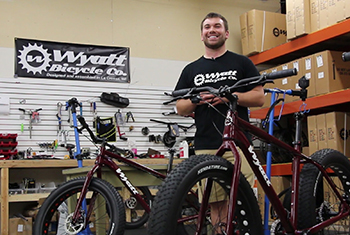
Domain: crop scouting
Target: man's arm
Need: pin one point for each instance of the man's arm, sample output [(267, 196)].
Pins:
[(185, 107), (252, 98)]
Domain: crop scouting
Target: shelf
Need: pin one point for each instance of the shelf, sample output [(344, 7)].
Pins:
[(32, 197), (335, 37), (334, 101)]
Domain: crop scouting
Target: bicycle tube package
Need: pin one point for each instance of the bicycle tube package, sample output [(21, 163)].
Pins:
[(105, 128), (114, 99)]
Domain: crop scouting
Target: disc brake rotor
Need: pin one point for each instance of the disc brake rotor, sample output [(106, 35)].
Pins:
[(131, 203), (71, 228)]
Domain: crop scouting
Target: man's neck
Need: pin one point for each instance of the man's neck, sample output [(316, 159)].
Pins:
[(214, 53)]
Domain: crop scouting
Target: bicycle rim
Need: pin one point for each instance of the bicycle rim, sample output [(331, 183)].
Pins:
[(317, 201), (107, 210), (179, 200)]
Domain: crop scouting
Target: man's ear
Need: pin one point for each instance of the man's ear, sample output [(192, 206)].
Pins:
[(227, 34)]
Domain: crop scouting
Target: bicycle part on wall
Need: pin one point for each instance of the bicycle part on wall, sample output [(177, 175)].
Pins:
[(169, 137), (33, 118), (118, 122)]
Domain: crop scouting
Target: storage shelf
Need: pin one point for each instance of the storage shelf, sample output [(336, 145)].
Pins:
[(32, 197), (335, 37), (334, 101)]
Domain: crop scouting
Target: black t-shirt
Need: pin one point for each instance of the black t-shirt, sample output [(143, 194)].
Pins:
[(224, 70)]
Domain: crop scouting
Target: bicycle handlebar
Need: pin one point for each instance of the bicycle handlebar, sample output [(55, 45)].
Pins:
[(84, 125), (346, 56), (29, 111), (261, 79)]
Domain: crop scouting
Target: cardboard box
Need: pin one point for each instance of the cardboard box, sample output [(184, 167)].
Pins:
[(290, 19), (19, 226), (308, 65), (332, 73), (244, 33), (312, 134), (297, 64), (347, 8), (323, 7), (336, 10), (265, 30), (285, 83), (314, 15), (302, 17), (321, 131), (338, 125)]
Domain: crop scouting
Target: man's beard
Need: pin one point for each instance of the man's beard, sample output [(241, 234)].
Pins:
[(217, 45)]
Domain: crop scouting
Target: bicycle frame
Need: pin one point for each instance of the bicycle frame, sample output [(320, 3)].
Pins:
[(234, 136), (105, 158)]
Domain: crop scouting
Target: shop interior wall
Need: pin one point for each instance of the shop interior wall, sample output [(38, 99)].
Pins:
[(163, 35)]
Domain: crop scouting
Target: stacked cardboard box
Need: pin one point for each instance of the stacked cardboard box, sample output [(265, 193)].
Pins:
[(329, 130), (326, 71), (298, 18), (307, 16), (262, 30)]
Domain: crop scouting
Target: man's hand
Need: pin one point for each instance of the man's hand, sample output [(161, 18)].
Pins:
[(210, 98)]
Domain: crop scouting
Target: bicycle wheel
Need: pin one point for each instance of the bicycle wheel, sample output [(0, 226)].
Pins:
[(317, 201), (136, 216), (107, 217), (177, 203)]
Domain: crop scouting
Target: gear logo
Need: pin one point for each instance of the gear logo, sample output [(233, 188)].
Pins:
[(199, 79), (34, 58)]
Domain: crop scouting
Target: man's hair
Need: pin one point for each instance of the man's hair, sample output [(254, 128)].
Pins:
[(215, 15)]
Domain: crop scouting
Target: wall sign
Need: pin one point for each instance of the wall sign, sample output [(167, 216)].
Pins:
[(44, 59)]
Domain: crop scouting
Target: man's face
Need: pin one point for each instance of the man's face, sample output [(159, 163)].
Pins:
[(213, 33)]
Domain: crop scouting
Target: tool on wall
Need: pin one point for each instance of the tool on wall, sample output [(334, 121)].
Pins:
[(169, 138), (33, 118), (119, 121)]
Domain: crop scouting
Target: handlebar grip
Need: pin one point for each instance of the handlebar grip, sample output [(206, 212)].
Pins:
[(82, 121), (282, 74), (346, 56), (180, 92)]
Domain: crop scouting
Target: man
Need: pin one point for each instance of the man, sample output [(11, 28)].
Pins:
[(217, 67)]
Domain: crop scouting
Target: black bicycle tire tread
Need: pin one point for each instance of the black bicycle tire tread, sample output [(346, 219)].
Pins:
[(55, 194), (307, 183), (172, 182), (163, 196)]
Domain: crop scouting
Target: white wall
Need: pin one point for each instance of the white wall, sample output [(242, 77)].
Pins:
[(163, 36)]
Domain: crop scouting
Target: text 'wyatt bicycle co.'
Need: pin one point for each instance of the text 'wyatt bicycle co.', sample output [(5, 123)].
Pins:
[(43, 59)]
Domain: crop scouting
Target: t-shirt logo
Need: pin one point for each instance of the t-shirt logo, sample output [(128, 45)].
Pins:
[(201, 79)]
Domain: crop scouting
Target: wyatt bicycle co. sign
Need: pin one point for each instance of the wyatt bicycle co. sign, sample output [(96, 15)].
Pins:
[(43, 59)]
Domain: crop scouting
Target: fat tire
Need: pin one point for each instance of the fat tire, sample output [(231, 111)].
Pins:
[(170, 197), (312, 189), (113, 202)]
